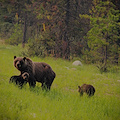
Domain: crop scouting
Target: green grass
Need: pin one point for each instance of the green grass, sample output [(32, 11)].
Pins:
[(63, 101)]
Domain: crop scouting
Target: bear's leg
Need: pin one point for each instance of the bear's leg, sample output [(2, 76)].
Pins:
[(90, 92), (44, 86), (48, 78), (49, 82), (32, 81), (13, 79), (21, 82), (81, 93)]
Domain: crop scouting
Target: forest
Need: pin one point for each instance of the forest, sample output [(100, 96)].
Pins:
[(68, 29)]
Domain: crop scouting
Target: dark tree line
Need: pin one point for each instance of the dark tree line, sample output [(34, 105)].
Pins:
[(55, 25), (64, 28)]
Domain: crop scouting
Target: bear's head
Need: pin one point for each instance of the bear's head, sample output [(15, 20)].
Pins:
[(25, 76), (19, 63)]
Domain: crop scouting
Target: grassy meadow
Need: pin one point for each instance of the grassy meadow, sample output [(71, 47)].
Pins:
[(63, 101)]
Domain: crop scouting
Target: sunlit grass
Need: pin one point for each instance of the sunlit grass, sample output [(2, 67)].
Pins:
[(63, 101)]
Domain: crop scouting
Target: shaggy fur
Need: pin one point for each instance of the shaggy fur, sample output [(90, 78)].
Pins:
[(38, 71), (20, 80), (89, 89), (25, 76)]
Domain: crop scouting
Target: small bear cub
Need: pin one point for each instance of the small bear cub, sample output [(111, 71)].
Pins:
[(20, 79), (86, 88)]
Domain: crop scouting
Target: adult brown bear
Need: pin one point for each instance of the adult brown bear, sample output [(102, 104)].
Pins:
[(38, 71), (89, 89)]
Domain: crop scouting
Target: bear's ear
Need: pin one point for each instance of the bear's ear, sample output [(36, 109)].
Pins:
[(24, 58), (14, 57)]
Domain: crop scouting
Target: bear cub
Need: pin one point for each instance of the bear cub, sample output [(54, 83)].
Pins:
[(86, 88), (20, 79)]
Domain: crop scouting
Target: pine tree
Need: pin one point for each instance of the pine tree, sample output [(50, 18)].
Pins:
[(103, 36)]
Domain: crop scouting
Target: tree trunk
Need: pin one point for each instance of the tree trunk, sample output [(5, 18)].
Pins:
[(66, 44), (105, 60), (25, 30)]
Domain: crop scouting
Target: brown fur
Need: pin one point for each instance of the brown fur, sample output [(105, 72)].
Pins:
[(25, 76), (38, 71), (19, 80), (89, 89)]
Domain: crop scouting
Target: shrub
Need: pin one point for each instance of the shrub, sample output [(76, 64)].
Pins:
[(16, 36), (40, 46)]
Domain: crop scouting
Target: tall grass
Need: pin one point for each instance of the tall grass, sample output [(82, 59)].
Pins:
[(63, 101)]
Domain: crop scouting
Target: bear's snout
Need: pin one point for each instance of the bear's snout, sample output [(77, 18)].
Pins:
[(25, 78), (19, 65)]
